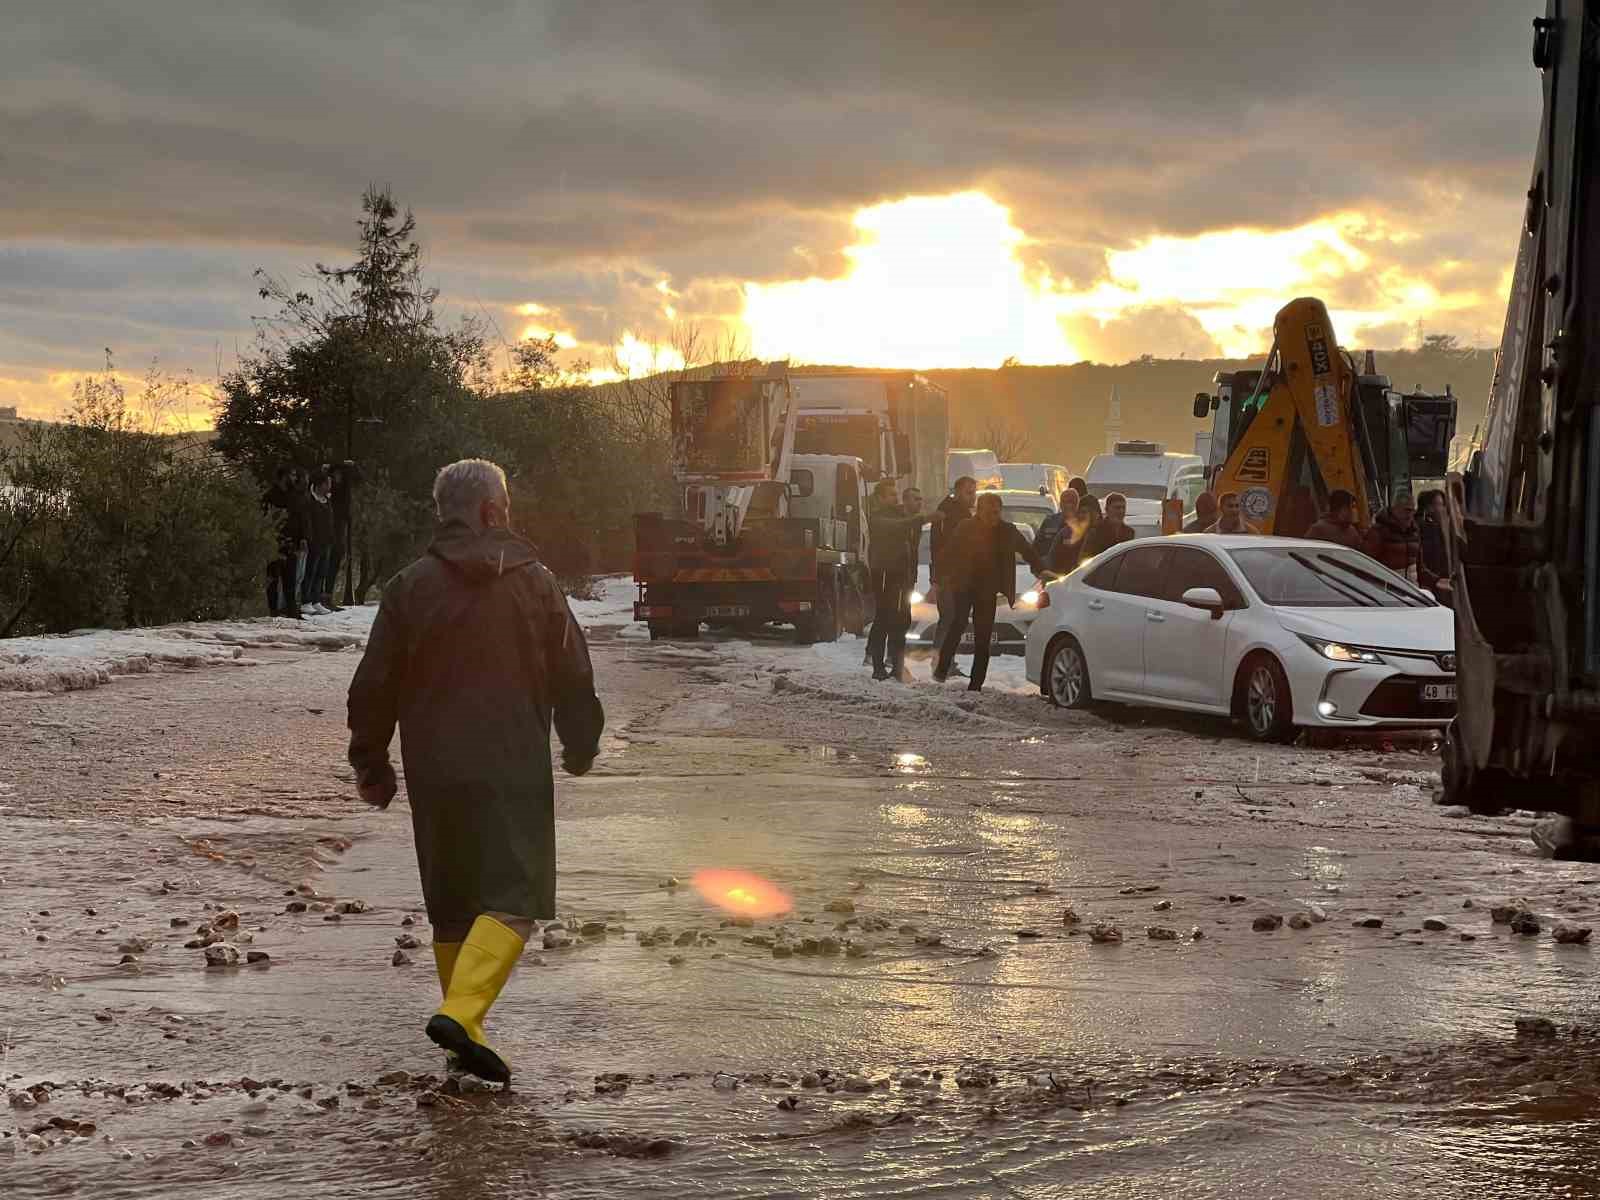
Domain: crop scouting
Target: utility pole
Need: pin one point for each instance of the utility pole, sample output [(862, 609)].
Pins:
[(350, 497)]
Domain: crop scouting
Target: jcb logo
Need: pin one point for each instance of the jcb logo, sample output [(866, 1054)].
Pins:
[(1256, 466)]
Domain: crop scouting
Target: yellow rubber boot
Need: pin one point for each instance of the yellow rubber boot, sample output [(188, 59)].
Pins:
[(482, 966), (444, 958)]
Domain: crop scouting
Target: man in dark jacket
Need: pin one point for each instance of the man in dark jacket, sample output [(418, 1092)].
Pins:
[(952, 511), (1205, 513), (1395, 541), (474, 653), (275, 504), (1430, 528), (1339, 525), (345, 476), (292, 545), (1112, 530), (980, 563), (892, 562), (319, 546)]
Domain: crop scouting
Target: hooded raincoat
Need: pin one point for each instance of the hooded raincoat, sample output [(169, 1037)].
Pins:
[(474, 653)]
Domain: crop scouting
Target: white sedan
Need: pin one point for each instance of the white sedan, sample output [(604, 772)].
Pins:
[(1281, 632)]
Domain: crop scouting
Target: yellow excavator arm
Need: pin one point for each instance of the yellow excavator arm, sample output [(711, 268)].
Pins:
[(1301, 441)]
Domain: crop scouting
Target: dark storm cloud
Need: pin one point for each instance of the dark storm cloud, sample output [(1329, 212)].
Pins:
[(709, 141), (262, 120)]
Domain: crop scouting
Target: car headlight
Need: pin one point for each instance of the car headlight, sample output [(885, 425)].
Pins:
[(1339, 652), (1029, 598), (916, 597)]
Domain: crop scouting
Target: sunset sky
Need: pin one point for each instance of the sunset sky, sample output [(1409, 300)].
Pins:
[(844, 183)]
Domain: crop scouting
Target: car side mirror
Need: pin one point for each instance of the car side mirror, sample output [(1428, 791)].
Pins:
[(1202, 405), (1207, 598)]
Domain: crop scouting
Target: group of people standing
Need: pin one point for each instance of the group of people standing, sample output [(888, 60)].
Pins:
[(973, 555), (312, 511), (1407, 537)]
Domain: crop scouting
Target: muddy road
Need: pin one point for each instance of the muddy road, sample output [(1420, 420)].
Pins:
[(927, 1022)]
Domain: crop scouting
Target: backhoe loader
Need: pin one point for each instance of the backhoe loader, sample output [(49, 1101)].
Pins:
[(1309, 423)]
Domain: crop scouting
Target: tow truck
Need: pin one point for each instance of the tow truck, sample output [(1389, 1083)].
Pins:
[(1309, 423), (765, 535), (1524, 517)]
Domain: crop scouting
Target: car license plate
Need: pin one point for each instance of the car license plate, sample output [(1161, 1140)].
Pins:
[(1438, 691), (728, 610)]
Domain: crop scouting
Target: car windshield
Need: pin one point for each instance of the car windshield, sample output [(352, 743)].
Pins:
[(1133, 491), (1032, 518), (1187, 488), (850, 435), (1325, 578)]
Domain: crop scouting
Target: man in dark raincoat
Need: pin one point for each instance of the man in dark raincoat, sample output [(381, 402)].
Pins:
[(474, 653)]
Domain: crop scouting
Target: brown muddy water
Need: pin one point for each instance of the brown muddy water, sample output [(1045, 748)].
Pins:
[(1001, 1051)]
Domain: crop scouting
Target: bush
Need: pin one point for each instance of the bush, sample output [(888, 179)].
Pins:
[(111, 522)]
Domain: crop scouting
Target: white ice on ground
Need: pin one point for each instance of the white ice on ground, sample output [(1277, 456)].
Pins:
[(93, 657)]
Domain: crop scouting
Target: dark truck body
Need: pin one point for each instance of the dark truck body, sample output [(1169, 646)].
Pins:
[(795, 554), (1525, 516), (771, 575)]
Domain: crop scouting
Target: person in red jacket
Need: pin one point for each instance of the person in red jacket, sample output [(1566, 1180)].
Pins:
[(1396, 542), (1339, 525)]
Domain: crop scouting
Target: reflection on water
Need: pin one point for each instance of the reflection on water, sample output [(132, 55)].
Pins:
[(908, 763)]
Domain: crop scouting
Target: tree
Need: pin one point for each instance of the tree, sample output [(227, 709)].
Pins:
[(1008, 440), (355, 364)]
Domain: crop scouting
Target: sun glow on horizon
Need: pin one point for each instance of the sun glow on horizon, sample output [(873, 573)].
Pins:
[(954, 281), (934, 281), (944, 281)]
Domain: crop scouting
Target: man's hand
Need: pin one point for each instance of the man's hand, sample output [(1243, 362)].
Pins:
[(379, 793), (576, 764)]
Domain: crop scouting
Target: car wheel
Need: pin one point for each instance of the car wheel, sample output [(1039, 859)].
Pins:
[(1066, 674), (1265, 701)]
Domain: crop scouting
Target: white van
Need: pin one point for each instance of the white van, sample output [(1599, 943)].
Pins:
[(1048, 479), (982, 465), (1144, 472)]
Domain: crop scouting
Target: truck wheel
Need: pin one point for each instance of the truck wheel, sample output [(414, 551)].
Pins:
[(823, 623), (686, 630), (657, 632), (828, 611), (853, 616)]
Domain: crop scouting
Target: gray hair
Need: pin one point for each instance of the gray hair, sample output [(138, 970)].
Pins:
[(462, 487)]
